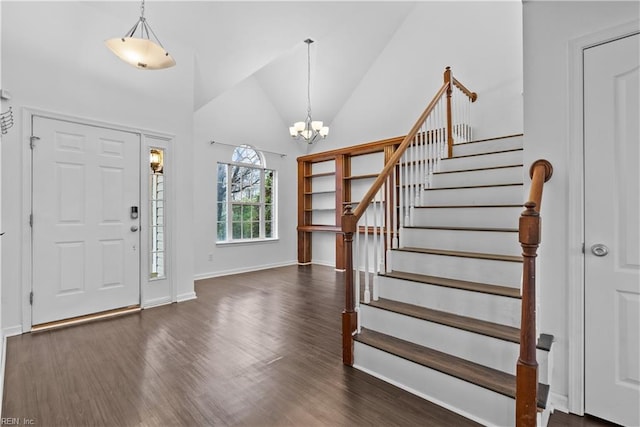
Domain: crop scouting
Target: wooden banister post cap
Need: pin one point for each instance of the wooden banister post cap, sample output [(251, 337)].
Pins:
[(349, 220), (530, 209), (529, 231), (548, 168)]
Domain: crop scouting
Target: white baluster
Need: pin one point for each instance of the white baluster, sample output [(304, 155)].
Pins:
[(401, 189), (432, 146), (427, 158), (412, 181), (456, 116), (389, 223), (381, 242), (379, 250), (395, 243), (374, 206), (443, 126), (356, 266), (469, 129), (423, 163), (367, 291)]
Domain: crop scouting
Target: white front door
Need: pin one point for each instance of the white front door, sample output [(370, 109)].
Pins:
[(86, 244), (612, 231)]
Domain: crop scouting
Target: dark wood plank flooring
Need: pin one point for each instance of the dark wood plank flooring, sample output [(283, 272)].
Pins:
[(257, 349)]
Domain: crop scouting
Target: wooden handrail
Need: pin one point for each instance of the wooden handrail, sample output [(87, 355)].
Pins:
[(391, 164), (472, 95), (349, 219), (529, 236), (540, 172)]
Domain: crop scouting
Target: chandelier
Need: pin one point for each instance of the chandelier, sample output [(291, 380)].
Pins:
[(308, 130), (141, 52)]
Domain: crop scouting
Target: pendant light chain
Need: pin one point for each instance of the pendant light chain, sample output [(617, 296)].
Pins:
[(309, 41), (309, 130)]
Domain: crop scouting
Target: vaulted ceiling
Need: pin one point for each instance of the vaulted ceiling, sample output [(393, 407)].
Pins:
[(233, 41)]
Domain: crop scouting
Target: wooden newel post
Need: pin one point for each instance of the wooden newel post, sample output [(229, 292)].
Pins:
[(349, 316), (527, 367), (529, 236), (449, 82)]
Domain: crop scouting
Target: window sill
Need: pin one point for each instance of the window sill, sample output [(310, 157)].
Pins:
[(247, 242)]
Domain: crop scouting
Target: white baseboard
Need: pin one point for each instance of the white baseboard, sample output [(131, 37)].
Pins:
[(325, 263), (3, 362), (559, 402), (186, 297), (156, 302), (12, 331), (4, 334), (211, 275)]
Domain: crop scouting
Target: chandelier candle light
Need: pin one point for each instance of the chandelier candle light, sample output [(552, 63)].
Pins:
[(309, 130), (141, 52)]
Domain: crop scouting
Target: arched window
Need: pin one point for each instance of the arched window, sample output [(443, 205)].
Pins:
[(246, 154), (246, 198)]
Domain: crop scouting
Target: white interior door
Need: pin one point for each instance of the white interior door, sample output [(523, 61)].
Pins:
[(85, 241), (612, 231)]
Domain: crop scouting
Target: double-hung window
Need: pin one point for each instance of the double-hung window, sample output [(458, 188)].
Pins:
[(246, 198)]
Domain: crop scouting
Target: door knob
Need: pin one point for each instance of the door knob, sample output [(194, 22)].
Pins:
[(134, 228), (599, 249)]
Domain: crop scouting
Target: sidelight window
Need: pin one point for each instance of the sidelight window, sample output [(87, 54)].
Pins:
[(157, 211)]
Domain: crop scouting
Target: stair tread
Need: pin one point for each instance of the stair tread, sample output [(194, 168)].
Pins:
[(483, 154), (483, 376), (479, 169), (455, 283), (474, 186), (496, 229), (515, 135), (483, 327), (478, 255)]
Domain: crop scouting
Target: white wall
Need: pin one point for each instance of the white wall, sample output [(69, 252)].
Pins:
[(549, 27), (53, 60), (242, 115), (481, 41), (484, 50)]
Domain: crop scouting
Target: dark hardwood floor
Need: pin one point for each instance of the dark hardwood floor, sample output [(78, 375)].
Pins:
[(255, 349)]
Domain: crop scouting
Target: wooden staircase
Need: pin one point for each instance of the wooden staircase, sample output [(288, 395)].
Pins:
[(444, 320)]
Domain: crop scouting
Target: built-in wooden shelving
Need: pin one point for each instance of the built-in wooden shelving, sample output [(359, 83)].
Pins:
[(350, 168)]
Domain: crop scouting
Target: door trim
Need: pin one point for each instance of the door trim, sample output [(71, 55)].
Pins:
[(26, 282), (575, 212)]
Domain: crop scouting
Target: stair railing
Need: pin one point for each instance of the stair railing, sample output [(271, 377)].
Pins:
[(529, 236), (390, 202)]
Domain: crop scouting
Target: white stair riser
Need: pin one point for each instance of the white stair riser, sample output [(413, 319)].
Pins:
[(495, 242), (487, 146), (484, 350), (492, 308), (510, 194), (474, 402), (503, 273), (506, 175), (504, 217), (483, 161)]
